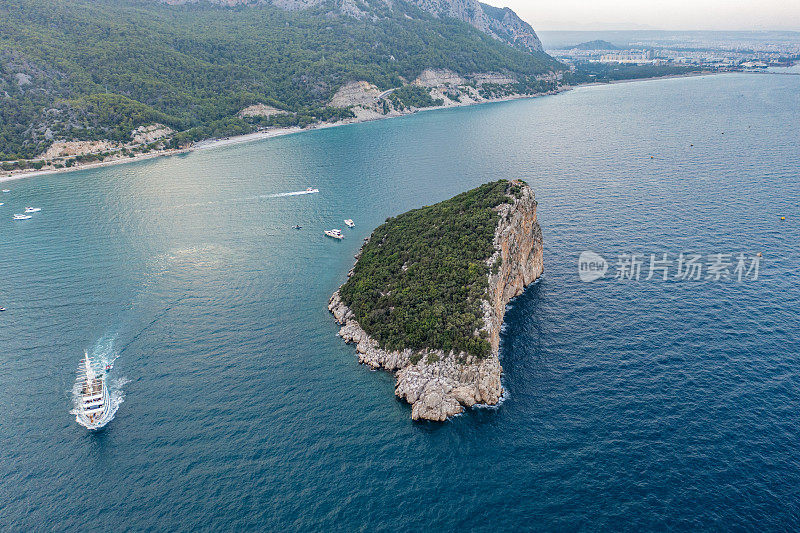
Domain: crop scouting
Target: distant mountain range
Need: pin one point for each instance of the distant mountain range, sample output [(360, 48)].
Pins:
[(108, 70), (596, 45)]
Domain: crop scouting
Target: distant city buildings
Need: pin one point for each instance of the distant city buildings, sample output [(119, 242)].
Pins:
[(638, 57), (717, 54)]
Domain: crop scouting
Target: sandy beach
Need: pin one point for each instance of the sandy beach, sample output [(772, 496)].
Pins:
[(202, 145)]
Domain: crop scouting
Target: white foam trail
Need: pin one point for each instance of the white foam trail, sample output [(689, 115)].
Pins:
[(500, 401), (246, 199), (282, 194)]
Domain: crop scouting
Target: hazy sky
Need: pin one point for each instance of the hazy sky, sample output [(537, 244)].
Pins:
[(657, 14)]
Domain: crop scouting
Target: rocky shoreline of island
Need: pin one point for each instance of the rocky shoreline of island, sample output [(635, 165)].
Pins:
[(440, 385)]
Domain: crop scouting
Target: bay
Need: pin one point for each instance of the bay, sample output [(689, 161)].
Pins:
[(630, 404)]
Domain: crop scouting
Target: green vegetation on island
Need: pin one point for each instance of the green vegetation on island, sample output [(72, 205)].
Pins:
[(96, 69), (420, 279)]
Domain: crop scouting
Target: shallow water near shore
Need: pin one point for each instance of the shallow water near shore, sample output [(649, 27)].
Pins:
[(630, 405)]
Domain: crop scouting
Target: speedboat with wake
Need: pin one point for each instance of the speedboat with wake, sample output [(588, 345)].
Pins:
[(20, 216), (32, 209), (349, 223), (310, 190), (334, 233), (94, 407)]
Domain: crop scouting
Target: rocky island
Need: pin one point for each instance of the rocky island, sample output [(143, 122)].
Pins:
[(427, 295)]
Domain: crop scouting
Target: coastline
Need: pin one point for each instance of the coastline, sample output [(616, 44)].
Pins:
[(202, 145), (667, 77), (279, 132)]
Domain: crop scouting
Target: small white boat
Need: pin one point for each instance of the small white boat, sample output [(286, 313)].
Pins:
[(32, 209), (20, 216), (1, 203), (334, 233), (95, 404), (310, 190), (349, 222), (6, 190)]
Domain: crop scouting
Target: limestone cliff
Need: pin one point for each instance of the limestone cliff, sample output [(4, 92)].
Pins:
[(501, 23), (439, 385)]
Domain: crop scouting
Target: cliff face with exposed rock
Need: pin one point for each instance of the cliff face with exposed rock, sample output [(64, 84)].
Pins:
[(439, 385), (501, 23)]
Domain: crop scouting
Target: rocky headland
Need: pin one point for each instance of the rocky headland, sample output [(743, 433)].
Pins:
[(437, 383)]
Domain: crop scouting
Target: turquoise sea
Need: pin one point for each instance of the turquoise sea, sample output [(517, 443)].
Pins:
[(631, 405)]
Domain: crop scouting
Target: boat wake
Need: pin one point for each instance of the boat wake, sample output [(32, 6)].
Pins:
[(102, 359), (274, 195), (294, 193), (247, 198)]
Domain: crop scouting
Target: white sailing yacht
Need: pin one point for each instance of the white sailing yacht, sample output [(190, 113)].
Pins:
[(94, 402)]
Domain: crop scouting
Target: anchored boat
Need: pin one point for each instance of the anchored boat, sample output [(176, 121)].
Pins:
[(334, 233), (94, 407), (350, 223)]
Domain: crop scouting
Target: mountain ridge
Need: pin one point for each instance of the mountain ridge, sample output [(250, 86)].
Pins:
[(501, 23), (98, 70)]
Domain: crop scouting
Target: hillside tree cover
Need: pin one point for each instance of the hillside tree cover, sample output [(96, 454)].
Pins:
[(88, 69), (420, 279)]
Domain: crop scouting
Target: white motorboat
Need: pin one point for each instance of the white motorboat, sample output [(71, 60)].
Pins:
[(1, 203), (334, 233), (6, 190), (32, 209), (311, 189), (94, 408), (349, 222), (20, 216)]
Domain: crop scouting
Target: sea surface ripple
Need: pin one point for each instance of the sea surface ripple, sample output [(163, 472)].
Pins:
[(632, 405)]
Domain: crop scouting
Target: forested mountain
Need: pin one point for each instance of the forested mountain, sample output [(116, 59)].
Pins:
[(91, 69), (501, 23)]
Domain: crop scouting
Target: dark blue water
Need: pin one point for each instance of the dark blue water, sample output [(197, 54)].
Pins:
[(631, 405)]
